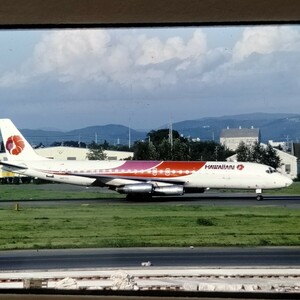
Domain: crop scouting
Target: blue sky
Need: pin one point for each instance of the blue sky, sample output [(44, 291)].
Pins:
[(69, 79)]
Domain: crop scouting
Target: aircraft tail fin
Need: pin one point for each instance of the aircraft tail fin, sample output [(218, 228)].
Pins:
[(16, 146)]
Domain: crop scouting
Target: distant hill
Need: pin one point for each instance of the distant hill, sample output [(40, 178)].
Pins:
[(277, 127), (112, 133)]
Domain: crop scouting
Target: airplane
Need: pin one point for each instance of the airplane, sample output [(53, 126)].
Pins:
[(138, 179)]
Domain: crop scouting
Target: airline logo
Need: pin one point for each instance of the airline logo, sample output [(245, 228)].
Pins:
[(224, 167), (240, 167), (15, 145)]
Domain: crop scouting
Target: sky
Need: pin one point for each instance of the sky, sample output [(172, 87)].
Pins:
[(144, 78)]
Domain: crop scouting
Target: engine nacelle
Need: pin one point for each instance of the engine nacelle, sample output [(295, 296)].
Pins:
[(135, 188), (169, 190)]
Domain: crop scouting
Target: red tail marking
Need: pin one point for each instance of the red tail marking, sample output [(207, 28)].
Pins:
[(15, 145)]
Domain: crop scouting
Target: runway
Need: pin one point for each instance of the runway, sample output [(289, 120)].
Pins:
[(209, 199), (274, 257)]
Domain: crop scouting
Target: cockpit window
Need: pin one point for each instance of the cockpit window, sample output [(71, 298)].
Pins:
[(271, 170)]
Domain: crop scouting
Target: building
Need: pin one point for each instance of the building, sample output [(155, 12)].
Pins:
[(296, 152), (73, 153), (232, 137), (296, 149), (283, 145)]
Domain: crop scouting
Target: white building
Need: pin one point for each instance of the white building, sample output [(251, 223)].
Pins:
[(232, 137), (296, 152), (283, 145), (72, 153)]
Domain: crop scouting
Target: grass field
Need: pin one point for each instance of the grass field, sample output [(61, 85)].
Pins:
[(53, 191), (146, 226), (293, 189), (128, 225)]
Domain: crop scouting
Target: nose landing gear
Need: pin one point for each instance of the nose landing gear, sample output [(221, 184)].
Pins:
[(259, 195)]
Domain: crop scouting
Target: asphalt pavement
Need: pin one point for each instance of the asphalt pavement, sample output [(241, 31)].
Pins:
[(209, 199), (287, 257)]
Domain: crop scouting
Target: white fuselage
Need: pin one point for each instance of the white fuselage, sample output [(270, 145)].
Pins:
[(235, 175)]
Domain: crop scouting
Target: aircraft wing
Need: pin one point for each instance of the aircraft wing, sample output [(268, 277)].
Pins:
[(103, 178)]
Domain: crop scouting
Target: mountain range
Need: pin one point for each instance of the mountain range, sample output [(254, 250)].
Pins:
[(277, 127)]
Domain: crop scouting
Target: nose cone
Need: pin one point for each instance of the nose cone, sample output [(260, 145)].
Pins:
[(288, 181), (282, 181)]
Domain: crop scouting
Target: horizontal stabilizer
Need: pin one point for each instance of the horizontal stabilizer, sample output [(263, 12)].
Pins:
[(11, 165)]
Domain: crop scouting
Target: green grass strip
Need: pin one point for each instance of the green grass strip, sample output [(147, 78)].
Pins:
[(123, 225), (53, 192)]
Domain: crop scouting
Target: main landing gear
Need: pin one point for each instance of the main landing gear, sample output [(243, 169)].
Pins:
[(259, 195)]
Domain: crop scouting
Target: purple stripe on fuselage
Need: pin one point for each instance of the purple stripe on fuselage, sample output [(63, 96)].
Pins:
[(139, 165)]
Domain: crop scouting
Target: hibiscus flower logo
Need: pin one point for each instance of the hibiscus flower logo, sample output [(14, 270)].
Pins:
[(15, 145), (240, 167)]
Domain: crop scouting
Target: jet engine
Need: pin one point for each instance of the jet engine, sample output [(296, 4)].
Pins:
[(148, 188), (169, 190), (135, 188)]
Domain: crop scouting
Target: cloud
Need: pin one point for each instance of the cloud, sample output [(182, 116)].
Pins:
[(83, 56), (12, 78), (61, 49), (155, 51), (140, 70), (266, 40), (260, 54)]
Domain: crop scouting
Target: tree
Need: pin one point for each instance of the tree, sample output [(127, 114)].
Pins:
[(144, 151), (105, 145), (157, 136), (75, 144), (95, 152), (158, 146), (56, 144), (180, 150), (257, 153), (164, 150), (270, 157), (208, 150), (243, 152)]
